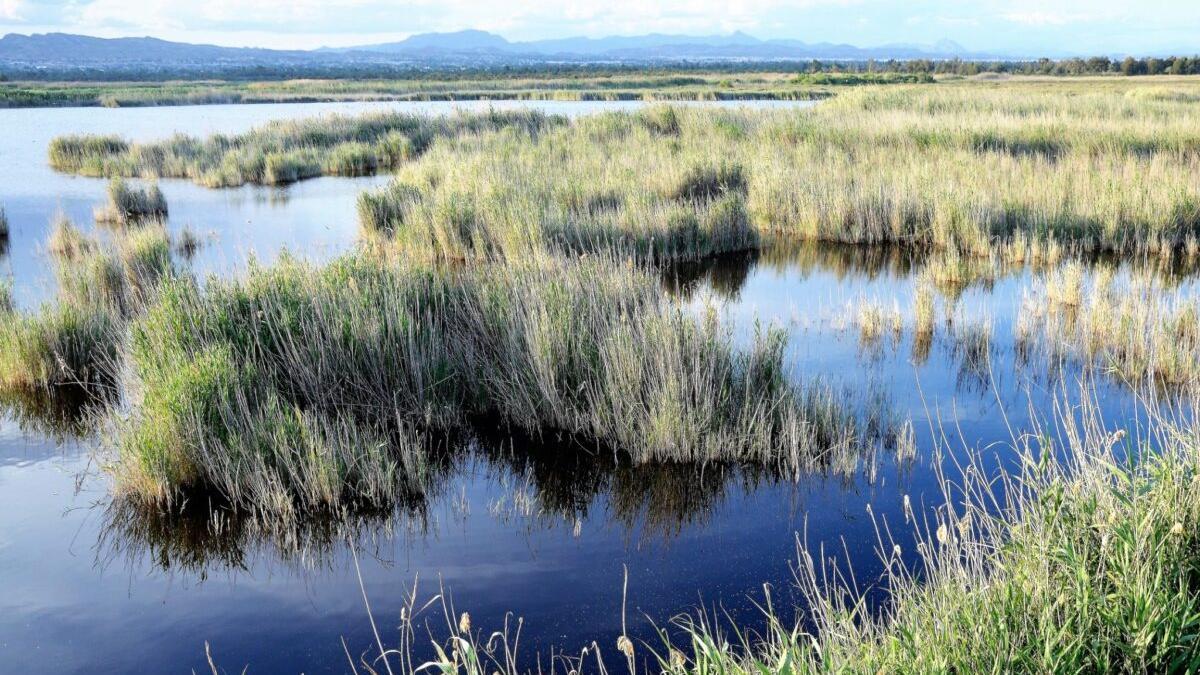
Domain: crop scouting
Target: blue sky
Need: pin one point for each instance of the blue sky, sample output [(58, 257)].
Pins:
[(1014, 26)]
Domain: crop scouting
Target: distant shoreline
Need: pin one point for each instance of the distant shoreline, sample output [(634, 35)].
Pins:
[(633, 86)]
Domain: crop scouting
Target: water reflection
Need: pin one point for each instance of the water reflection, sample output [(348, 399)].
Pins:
[(61, 413), (538, 485)]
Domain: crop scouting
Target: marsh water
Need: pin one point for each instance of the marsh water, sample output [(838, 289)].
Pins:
[(513, 526)]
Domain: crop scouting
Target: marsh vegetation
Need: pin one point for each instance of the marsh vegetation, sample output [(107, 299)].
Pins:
[(617, 86), (1023, 171), (552, 297), (293, 391)]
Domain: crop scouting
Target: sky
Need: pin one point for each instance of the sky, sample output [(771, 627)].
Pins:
[(1021, 27)]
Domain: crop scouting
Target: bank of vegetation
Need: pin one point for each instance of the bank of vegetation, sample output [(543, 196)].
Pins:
[(976, 167), (648, 85)]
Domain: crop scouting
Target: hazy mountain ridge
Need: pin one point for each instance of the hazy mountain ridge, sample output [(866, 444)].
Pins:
[(471, 46), (655, 46)]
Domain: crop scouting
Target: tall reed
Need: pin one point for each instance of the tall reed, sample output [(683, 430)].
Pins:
[(270, 390)]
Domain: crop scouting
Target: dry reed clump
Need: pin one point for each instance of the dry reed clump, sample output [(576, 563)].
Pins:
[(270, 390), (282, 152), (128, 204), (924, 310), (874, 321)]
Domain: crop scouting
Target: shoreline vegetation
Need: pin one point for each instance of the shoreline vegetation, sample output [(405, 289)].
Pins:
[(1079, 560), (683, 86), (1021, 170)]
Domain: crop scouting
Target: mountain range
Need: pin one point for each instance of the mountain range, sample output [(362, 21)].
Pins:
[(654, 46), (468, 47)]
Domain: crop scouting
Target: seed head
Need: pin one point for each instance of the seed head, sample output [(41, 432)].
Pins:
[(625, 646), (464, 623)]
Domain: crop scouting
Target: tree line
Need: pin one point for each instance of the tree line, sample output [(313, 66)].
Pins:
[(1097, 65)]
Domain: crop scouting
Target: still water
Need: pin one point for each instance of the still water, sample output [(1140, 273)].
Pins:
[(509, 527)]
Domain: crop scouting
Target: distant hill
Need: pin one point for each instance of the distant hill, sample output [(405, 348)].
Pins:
[(651, 47), (56, 47), (469, 48)]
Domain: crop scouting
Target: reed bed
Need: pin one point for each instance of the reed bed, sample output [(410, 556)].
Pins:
[(1020, 170), (130, 204), (1132, 326), (76, 339), (1020, 174), (305, 388), (616, 86), (280, 152)]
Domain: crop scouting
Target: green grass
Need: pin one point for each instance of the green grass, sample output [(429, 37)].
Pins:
[(303, 389), (76, 339)]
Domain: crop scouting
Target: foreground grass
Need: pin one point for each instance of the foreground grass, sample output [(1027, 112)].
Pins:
[(305, 388), (1081, 558)]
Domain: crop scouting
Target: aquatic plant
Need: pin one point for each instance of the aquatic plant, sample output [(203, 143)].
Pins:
[(1133, 327), (268, 390), (3, 225), (924, 316), (60, 344), (874, 321), (130, 203), (284, 151), (187, 242), (75, 339), (66, 241)]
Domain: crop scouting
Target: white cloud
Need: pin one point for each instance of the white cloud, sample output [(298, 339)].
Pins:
[(1038, 18), (11, 10), (1002, 26)]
